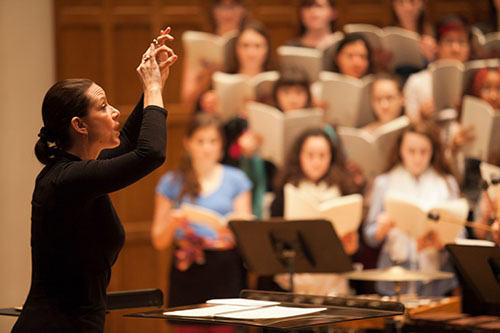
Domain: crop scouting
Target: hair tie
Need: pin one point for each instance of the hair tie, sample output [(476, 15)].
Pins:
[(45, 135), (451, 26)]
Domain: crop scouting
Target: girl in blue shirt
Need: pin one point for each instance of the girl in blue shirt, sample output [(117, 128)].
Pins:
[(206, 264)]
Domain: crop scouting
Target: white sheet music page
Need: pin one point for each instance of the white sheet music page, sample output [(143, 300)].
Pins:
[(210, 311), (272, 312), (241, 302), (242, 308)]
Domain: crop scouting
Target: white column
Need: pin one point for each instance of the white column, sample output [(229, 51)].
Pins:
[(27, 70)]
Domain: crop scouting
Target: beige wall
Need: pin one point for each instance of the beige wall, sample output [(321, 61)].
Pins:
[(26, 72)]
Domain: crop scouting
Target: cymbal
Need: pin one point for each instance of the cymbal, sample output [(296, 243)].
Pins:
[(396, 274)]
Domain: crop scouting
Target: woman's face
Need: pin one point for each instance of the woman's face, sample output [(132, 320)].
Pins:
[(291, 97), (315, 157), (416, 153), (228, 15), (353, 59), (490, 89), (204, 146), (101, 121), (318, 16), (408, 9), (251, 49), (387, 100)]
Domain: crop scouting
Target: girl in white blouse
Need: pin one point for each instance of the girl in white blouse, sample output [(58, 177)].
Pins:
[(418, 172), (317, 168)]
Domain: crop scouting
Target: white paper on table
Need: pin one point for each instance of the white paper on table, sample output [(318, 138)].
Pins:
[(210, 311), (241, 302), (270, 312)]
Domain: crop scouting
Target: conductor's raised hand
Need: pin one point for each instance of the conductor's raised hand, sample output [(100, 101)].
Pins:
[(149, 72), (165, 56)]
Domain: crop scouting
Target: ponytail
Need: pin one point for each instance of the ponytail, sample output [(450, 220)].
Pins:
[(64, 100)]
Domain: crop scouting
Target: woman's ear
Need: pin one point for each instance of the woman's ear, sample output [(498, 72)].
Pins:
[(79, 125)]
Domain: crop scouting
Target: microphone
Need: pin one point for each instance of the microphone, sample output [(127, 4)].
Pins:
[(436, 218)]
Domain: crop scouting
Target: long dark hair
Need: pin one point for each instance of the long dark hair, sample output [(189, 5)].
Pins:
[(186, 174), (337, 174), (215, 3), (421, 20), (310, 3), (493, 17), (233, 62), (349, 39), (64, 100), (431, 131), (292, 77)]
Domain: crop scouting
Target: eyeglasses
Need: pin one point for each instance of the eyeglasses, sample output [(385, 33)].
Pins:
[(451, 42), (490, 89)]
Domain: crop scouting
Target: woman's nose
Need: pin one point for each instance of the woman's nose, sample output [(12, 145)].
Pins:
[(116, 113)]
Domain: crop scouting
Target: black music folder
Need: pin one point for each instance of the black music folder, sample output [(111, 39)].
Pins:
[(478, 269), (264, 246)]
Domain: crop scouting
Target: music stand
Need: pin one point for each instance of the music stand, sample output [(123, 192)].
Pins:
[(478, 270), (276, 246)]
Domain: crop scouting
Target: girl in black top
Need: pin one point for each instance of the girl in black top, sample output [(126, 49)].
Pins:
[(75, 233)]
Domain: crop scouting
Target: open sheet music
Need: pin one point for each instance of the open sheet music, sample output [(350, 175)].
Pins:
[(235, 90), (412, 219), (450, 78), (279, 130), (486, 45), (403, 45), (309, 60), (486, 123), (205, 48), (239, 308), (345, 212), (371, 151), (347, 99), (201, 215)]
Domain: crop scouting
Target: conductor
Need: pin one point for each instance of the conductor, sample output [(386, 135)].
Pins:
[(75, 233)]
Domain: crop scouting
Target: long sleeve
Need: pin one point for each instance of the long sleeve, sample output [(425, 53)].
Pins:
[(76, 235), (96, 177), (380, 186)]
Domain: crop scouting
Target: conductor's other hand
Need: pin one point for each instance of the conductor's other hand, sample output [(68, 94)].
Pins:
[(165, 56), (156, 61)]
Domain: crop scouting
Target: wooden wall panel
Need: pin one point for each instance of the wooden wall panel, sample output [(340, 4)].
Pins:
[(368, 11), (81, 53), (474, 11), (126, 52), (104, 40)]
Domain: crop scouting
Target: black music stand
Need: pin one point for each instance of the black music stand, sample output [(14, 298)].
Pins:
[(280, 246), (478, 269), (275, 246)]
